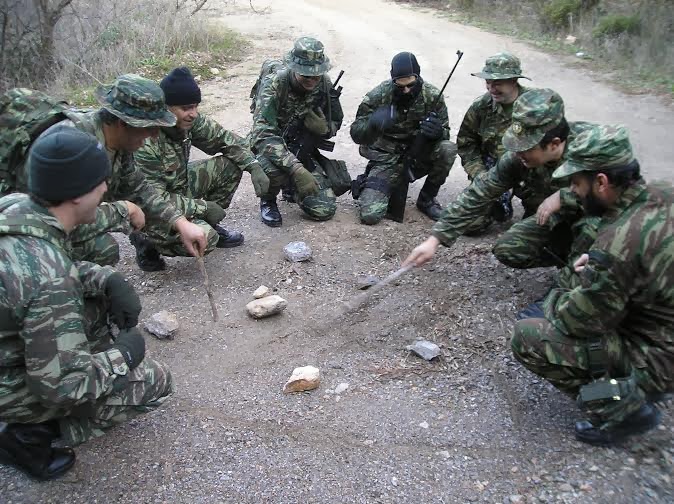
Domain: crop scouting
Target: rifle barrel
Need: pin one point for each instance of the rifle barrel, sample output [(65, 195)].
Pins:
[(437, 98)]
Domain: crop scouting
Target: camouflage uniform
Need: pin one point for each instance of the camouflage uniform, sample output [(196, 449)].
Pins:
[(479, 138), (566, 234), (48, 368), (139, 103), (386, 170), (188, 185), (623, 299), (279, 108)]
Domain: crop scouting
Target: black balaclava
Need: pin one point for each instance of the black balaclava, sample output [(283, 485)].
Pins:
[(405, 64)]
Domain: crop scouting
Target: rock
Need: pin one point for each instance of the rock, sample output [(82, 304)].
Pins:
[(565, 487), (266, 306), (594, 468), (444, 454), (214, 71), (163, 325), (297, 251), (570, 40), (303, 378), (367, 281), (341, 388), (261, 291), (424, 349), (586, 487), (423, 425), (516, 499), (394, 481)]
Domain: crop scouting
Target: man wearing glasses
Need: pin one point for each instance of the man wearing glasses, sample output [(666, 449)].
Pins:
[(388, 125), (295, 112)]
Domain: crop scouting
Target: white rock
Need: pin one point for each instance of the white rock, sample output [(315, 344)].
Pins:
[(423, 425), (425, 349), (214, 71), (341, 388), (303, 378), (261, 292), (297, 251), (570, 40), (163, 325), (266, 306)]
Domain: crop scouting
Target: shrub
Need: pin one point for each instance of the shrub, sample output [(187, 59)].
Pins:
[(616, 24), (556, 14)]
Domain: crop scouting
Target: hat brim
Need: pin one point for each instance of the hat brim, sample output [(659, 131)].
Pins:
[(165, 119), (567, 169), (521, 142), (309, 70), (497, 76)]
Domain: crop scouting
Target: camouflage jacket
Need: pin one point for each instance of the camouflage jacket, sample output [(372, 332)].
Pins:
[(274, 115), (480, 133), (533, 184), (164, 160), (628, 283), (407, 120), (43, 345)]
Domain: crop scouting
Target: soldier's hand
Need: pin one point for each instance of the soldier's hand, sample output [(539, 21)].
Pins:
[(192, 237), (431, 127), (131, 344), (316, 122), (580, 263), (214, 213), (304, 181), (259, 179), (422, 253), (124, 302), (552, 204), (136, 216), (382, 119)]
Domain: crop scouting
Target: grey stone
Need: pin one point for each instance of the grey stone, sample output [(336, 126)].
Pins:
[(341, 388), (266, 306), (261, 291), (425, 349), (367, 281), (297, 251), (162, 325)]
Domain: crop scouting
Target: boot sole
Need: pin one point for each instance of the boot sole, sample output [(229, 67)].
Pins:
[(272, 224)]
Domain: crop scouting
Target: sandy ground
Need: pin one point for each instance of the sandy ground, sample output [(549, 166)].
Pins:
[(471, 427)]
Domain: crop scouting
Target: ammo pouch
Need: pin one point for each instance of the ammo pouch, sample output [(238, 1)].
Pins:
[(339, 177), (601, 391)]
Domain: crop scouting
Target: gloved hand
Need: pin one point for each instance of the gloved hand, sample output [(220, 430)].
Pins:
[(304, 181), (316, 122), (431, 127), (382, 119), (124, 302), (132, 345), (214, 213), (259, 179)]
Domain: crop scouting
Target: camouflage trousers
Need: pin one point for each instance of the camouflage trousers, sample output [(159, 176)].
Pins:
[(565, 362), (94, 243), (214, 179), (386, 172), (139, 391), (321, 207)]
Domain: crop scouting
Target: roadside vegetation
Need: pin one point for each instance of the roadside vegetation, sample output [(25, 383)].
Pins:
[(65, 47)]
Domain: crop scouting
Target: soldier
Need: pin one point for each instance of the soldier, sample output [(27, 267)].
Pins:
[(388, 121), (537, 140), (479, 138), (608, 338), (200, 190), (296, 108), (132, 110), (61, 375)]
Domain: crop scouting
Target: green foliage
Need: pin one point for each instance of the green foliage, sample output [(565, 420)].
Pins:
[(616, 24), (109, 37), (557, 12)]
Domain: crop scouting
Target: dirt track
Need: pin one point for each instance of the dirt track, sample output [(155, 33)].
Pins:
[(491, 429)]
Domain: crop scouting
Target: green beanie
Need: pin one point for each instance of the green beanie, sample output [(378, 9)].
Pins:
[(66, 163)]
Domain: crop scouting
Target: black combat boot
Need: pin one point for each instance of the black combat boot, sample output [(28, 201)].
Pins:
[(427, 203), (28, 447), (270, 214), (228, 239), (642, 420), (147, 257)]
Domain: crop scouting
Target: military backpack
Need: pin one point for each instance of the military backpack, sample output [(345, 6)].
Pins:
[(269, 67)]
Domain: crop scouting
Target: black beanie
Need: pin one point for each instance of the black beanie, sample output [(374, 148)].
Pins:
[(404, 64), (180, 88), (66, 163)]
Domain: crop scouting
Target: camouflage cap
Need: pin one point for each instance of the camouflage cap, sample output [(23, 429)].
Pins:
[(307, 57), (137, 101), (501, 66), (535, 113), (603, 147)]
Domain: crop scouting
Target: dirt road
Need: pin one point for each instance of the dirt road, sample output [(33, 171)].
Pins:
[(473, 427)]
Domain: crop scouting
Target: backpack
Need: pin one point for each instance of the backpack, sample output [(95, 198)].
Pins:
[(269, 67), (24, 115)]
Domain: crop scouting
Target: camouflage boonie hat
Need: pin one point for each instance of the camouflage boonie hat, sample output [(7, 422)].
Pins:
[(137, 101), (603, 147), (307, 57), (501, 66), (534, 114)]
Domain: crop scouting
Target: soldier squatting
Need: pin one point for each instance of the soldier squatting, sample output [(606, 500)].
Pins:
[(603, 334)]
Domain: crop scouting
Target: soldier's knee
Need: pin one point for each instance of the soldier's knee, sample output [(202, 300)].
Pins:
[(320, 209), (503, 251), (370, 217), (447, 152)]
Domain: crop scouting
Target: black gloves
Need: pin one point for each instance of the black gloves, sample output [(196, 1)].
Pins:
[(431, 127), (131, 344), (124, 302), (382, 119), (214, 213)]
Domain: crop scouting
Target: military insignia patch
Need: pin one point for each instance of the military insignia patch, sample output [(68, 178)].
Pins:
[(517, 128)]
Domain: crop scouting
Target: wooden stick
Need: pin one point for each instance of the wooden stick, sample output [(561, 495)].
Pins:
[(207, 286)]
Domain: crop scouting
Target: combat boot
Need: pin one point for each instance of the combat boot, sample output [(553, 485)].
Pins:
[(429, 205), (644, 419), (28, 448), (228, 239), (147, 256), (270, 214)]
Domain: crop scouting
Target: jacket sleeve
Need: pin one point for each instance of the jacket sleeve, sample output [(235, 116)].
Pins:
[(469, 143), (210, 137), (93, 277), (441, 111), (110, 218), (360, 131)]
